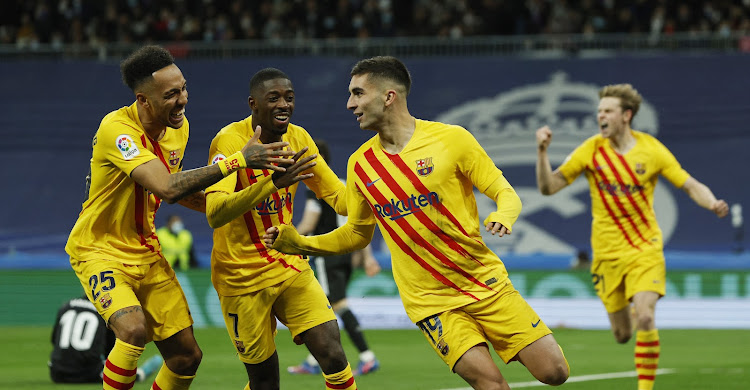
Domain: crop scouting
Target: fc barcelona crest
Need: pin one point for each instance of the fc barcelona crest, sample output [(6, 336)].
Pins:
[(174, 157), (640, 168), (424, 166), (240, 346)]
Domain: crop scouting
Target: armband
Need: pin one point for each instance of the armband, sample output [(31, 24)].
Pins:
[(232, 163)]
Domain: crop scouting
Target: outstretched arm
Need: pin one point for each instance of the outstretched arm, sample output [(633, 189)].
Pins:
[(195, 201), (547, 181), (172, 187), (702, 195), (345, 239)]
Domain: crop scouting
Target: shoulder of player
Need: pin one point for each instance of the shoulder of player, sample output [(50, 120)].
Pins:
[(439, 127)]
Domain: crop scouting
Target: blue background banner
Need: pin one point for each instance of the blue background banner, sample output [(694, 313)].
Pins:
[(695, 105)]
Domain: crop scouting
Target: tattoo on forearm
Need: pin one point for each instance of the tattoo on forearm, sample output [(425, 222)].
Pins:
[(188, 182)]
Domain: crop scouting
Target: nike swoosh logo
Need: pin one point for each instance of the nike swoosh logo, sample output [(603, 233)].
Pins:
[(329, 306), (369, 183), (533, 325), (258, 175)]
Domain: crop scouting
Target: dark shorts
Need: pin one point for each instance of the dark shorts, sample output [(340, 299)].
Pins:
[(334, 275), (68, 377)]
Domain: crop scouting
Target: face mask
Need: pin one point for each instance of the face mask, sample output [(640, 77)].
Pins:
[(177, 227)]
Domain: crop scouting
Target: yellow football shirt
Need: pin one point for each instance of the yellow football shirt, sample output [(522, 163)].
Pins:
[(423, 201), (240, 262), (622, 192), (117, 219)]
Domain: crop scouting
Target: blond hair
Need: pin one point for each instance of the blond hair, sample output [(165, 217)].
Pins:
[(629, 97)]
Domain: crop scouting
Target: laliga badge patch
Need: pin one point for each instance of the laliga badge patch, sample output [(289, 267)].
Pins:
[(218, 158), (127, 147)]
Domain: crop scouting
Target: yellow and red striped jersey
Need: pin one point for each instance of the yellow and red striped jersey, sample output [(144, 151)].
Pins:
[(622, 192), (117, 219), (423, 201), (240, 261)]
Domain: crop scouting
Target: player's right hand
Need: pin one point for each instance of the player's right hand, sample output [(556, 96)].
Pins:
[(266, 156), (543, 137), (270, 236)]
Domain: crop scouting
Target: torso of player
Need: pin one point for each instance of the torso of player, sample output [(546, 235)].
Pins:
[(622, 192), (425, 207), (240, 262), (117, 218)]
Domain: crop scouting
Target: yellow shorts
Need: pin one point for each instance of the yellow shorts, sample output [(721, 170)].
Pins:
[(298, 302), (616, 281), (112, 286), (504, 319)]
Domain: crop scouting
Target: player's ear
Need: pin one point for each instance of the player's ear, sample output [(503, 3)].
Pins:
[(251, 103), (142, 99), (390, 97)]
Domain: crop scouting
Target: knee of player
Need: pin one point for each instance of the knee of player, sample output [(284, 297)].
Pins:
[(645, 321), (622, 336), (132, 332), (556, 375)]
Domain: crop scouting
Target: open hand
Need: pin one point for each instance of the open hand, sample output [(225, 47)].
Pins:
[(266, 156), (293, 171), (497, 227)]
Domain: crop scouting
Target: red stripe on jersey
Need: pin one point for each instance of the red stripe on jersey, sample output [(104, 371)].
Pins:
[(340, 386), (622, 183), (252, 229), (611, 213), (398, 191), (119, 370), (411, 233), (414, 179), (117, 385), (632, 176), (616, 199), (155, 386), (140, 209), (647, 343), (647, 355)]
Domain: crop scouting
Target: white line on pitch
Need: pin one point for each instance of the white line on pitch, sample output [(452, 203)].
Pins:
[(583, 378)]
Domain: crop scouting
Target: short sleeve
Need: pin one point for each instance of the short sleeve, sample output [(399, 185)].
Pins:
[(576, 161), (670, 167), (121, 145)]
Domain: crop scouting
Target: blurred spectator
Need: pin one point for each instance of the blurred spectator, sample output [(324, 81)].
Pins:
[(27, 23), (177, 244)]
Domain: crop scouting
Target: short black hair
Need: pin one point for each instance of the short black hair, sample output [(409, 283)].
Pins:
[(264, 75), (323, 149), (384, 67), (142, 63)]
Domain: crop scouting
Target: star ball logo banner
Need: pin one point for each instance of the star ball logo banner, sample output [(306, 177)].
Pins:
[(505, 126)]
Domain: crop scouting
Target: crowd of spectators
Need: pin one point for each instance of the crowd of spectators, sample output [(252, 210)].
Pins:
[(29, 22)]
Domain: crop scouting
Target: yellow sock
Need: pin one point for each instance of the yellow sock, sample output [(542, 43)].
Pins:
[(168, 380), (647, 351), (343, 380), (122, 362)]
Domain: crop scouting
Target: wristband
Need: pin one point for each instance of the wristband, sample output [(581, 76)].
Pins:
[(232, 163)]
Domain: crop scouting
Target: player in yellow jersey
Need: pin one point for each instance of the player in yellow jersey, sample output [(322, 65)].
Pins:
[(622, 166), (257, 286), (415, 179), (136, 163)]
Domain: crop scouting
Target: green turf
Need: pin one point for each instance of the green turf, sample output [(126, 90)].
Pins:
[(713, 359)]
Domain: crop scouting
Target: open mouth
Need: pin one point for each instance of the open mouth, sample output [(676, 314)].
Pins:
[(177, 116), (282, 119)]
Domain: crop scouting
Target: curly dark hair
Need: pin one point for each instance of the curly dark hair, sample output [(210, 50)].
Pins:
[(142, 63), (265, 75), (384, 68)]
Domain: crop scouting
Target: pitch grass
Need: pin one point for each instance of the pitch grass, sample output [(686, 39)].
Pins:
[(703, 360)]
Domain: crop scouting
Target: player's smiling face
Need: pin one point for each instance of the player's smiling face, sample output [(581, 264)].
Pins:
[(273, 105), (365, 101), (168, 96), (611, 117)]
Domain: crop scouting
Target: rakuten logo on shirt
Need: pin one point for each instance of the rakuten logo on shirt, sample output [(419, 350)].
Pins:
[(399, 208)]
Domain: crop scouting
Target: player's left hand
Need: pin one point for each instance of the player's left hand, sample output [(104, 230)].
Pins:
[(372, 267), (270, 236), (720, 208), (497, 227)]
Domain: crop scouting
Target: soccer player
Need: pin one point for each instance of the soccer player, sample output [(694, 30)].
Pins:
[(136, 163), (333, 274), (81, 343), (257, 286), (622, 166), (415, 179)]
